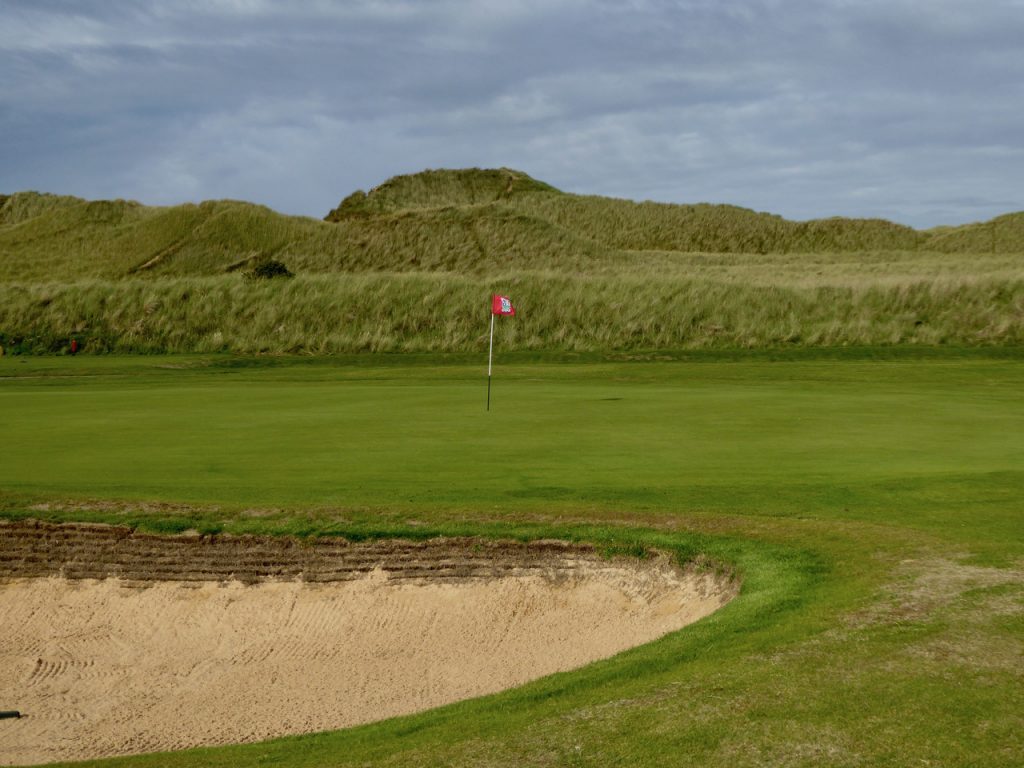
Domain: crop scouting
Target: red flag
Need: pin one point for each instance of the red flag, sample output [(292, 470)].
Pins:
[(501, 305)]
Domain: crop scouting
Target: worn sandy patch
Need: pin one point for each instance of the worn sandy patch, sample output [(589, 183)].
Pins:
[(108, 667)]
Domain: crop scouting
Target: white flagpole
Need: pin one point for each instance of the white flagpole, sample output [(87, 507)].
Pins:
[(490, 358)]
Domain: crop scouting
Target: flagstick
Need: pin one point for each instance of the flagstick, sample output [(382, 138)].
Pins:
[(490, 357)]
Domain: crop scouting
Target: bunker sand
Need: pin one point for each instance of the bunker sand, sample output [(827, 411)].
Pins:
[(155, 643)]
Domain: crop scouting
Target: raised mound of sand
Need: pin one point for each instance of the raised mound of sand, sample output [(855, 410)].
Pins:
[(129, 663)]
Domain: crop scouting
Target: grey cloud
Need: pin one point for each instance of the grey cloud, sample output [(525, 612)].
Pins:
[(806, 108)]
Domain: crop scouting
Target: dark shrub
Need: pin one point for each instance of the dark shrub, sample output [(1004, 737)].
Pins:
[(270, 268)]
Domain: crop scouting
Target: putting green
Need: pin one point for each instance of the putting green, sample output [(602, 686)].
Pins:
[(904, 442)]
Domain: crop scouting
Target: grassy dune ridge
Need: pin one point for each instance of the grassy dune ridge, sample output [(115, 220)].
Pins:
[(408, 265)]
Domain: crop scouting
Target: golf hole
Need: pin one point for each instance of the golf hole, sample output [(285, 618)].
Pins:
[(119, 643)]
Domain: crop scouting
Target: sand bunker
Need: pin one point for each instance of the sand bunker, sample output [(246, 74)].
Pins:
[(132, 663)]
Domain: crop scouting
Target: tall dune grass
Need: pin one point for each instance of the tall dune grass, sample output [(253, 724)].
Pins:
[(102, 240), (438, 188), (626, 225), (469, 221), (324, 314)]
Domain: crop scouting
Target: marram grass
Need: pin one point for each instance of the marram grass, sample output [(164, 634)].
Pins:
[(329, 314), (468, 221)]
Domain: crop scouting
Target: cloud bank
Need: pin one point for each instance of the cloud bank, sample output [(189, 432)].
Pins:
[(907, 110)]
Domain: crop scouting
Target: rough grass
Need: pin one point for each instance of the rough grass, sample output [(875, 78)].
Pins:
[(471, 220), (627, 225), (326, 314), (111, 240), (1003, 234), (437, 188)]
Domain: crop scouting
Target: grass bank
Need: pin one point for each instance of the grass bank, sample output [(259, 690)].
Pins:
[(336, 314)]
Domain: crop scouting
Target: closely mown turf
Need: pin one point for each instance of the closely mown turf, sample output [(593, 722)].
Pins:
[(870, 499)]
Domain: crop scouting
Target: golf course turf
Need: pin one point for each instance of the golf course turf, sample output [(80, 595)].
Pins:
[(868, 499)]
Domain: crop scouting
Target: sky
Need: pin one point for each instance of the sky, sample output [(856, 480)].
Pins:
[(909, 110)]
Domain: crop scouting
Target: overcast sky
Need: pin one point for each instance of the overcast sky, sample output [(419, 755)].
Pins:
[(912, 110)]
